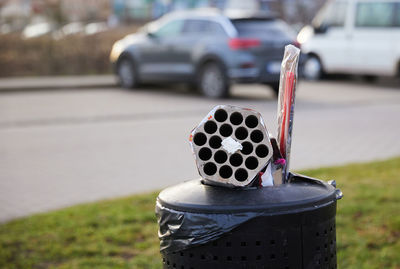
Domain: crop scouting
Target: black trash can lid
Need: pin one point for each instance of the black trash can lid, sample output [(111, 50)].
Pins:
[(301, 193)]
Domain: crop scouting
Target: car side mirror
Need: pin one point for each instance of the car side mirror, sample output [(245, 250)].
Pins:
[(151, 35), (321, 29)]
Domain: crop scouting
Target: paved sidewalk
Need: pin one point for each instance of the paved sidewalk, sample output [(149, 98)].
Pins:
[(56, 82), (64, 147)]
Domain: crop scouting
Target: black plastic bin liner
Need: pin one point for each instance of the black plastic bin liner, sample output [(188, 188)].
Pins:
[(193, 213), (181, 230)]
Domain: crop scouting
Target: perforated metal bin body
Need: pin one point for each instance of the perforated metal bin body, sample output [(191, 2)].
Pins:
[(295, 227)]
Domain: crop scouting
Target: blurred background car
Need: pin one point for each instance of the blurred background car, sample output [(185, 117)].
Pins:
[(359, 37), (37, 29), (206, 49)]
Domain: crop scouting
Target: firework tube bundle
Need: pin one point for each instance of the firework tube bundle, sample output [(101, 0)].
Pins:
[(231, 146)]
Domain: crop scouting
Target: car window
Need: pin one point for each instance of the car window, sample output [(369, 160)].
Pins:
[(397, 17), (215, 28), (170, 29), (375, 14), (258, 27), (335, 15), (203, 27), (195, 26)]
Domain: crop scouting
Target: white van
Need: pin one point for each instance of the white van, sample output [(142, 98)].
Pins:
[(353, 37)]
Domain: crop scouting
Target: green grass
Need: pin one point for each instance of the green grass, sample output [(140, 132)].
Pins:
[(122, 233)]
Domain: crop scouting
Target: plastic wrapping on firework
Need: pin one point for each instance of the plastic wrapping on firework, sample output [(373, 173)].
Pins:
[(286, 101)]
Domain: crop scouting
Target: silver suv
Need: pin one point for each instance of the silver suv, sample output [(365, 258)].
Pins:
[(203, 48)]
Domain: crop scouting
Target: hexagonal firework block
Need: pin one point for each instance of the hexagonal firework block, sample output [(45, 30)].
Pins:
[(231, 145)]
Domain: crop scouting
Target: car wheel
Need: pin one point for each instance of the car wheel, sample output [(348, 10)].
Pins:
[(370, 78), (212, 81), (398, 70), (312, 69), (127, 74)]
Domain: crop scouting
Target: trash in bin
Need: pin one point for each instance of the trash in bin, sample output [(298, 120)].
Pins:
[(248, 210)]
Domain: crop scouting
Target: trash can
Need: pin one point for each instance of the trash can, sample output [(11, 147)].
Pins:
[(287, 226)]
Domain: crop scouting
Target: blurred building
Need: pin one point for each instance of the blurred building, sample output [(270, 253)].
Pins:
[(17, 13), (86, 10), (151, 9), (127, 10), (69, 10), (293, 11), (14, 14)]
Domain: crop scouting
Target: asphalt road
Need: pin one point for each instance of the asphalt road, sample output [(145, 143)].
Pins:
[(68, 146)]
